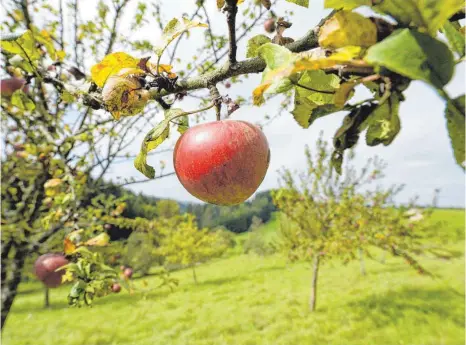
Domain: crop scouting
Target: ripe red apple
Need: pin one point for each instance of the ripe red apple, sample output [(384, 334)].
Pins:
[(128, 272), (269, 25), (45, 266), (222, 162), (116, 288), (9, 86)]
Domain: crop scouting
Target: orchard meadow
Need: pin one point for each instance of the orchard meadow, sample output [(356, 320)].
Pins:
[(232, 172)]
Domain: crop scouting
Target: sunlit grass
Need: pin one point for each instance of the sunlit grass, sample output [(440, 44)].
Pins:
[(252, 300)]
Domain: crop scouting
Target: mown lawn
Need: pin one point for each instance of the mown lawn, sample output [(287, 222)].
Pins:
[(245, 299)]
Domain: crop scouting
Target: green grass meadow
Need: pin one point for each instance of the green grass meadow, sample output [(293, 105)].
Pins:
[(251, 300)]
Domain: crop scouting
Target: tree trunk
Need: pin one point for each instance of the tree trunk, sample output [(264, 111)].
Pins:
[(315, 273), (361, 261), (382, 258), (10, 286), (46, 297), (194, 273)]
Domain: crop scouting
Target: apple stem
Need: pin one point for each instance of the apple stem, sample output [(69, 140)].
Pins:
[(194, 111)]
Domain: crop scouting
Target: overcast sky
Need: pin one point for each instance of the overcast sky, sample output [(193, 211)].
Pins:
[(420, 156)]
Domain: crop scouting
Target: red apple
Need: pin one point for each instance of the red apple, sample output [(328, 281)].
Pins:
[(9, 86), (45, 266), (128, 272), (222, 162), (269, 25), (116, 288), (227, 84)]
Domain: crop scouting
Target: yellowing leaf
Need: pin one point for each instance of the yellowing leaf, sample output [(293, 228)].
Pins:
[(220, 4), (123, 94), (68, 246), (98, 241), (111, 65), (302, 3), (55, 182), (67, 277), (347, 28), (172, 30)]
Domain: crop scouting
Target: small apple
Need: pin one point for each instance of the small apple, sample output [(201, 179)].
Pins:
[(222, 162), (116, 288), (122, 268), (9, 86), (128, 272), (45, 266), (269, 25), (227, 84)]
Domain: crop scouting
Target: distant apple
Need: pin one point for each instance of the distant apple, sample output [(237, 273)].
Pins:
[(122, 268), (45, 266), (116, 288), (222, 162), (227, 84), (9, 86), (128, 272), (269, 25)]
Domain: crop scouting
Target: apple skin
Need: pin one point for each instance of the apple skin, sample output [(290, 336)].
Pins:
[(128, 272), (45, 266), (116, 288), (269, 25), (9, 86), (222, 162)]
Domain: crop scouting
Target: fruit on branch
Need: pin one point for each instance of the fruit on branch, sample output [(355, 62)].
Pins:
[(222, 162), (269, 25), (9, 86), (116, 288), (128, 272), (227, 84), (123, 93), (45, 267)]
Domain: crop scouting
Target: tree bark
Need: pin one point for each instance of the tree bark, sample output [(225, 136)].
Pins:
[(10, 287), (46, 297), (361, 261), (194, 273), (315, 273)]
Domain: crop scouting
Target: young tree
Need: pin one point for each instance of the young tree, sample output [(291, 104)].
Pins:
[(184, 243), (326, 215)]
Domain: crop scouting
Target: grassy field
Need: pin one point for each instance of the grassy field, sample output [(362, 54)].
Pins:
[(245, 299)]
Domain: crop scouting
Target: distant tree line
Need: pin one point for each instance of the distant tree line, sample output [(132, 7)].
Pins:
[(234, 218)]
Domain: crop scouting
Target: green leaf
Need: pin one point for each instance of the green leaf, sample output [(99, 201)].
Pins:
[(24, 46), (310, 104), (423, 58), (346, 4), (172, 30), (183, 124), (303, 3), (427, 15), (337, 160), (454, 113), (20, 100), (347, 28), (348, 134), (254, 44), (153, 139), (384, 122), (455, 38)]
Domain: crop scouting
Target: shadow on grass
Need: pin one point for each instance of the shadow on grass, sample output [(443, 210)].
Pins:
[(396, 305)]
